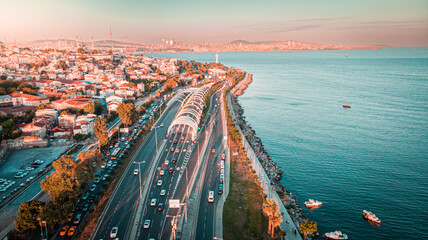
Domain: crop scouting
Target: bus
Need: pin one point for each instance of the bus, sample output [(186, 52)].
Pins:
[(211, 196), (115, 153)]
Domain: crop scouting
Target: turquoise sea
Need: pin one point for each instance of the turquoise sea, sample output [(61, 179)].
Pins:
[(372, 156)]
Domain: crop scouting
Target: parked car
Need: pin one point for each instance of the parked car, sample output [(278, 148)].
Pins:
[(93, 187), (77, 219), (71, 231), (63, 230)]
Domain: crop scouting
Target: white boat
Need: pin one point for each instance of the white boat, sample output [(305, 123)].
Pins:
[(336, 235), (313, 203), (371, 216)]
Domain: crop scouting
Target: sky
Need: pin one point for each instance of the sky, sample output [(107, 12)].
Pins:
[(397, 23)]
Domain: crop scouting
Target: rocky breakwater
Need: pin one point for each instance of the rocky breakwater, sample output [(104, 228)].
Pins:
[(270, 167)]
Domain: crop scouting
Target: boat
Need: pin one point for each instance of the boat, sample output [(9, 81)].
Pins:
[(313, 203), (346, 106), (370, 216), (336, 235)]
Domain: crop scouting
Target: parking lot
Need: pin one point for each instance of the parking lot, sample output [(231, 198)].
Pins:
[(18, 168)]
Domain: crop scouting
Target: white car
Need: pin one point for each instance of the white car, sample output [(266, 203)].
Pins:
[(146, 224), (136, 171), (163, 192), (153, 202), (166, 162), (159, 183), (162, 172), (103, 165), (29, 169), (113, 232)]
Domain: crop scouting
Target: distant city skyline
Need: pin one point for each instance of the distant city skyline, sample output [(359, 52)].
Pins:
[(382, 22)]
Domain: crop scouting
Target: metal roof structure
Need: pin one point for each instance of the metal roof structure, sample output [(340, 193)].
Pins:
[(191, 112)]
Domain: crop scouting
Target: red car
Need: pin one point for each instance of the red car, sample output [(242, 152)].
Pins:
[(171, 170)]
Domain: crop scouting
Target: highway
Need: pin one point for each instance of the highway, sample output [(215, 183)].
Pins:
[(174, 184), (122, 207)]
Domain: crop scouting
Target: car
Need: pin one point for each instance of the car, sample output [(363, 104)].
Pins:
[(160, 207), (184, 150), (105, 176), (213, 151), (77, 219), (103, 165), (146, 224), (39, 162), (71, 231), (172, 149), (109, 163), (161, 125), (114, 164), (159, 183), (29, 169), (85, 196), (211, 196), (22, 184), (69, 216), (85, 207), (63, 230), (220, 189), (175, 141), (163, 192), (171, 170), (174, 160), (93, 187), (113, 232), (222, 171), (223, 156), (182, 138), (122, 139), (166, 162), (177, 151), (136, 171), (162, 172), (153, 202)]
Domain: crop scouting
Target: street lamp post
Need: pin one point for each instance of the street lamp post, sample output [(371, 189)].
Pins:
[(139, 176)]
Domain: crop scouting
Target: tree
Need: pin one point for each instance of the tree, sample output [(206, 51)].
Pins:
[(271, 209), (56, 214), (126, 112), (41, 106), (90, 107), (28, 215), (63, 184), (308, 227), (100, 130), (98, 108)]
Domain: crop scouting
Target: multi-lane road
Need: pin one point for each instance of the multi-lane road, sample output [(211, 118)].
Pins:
[(123, 204), (165, 174)]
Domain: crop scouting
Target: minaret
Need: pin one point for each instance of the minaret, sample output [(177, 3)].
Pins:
[(111, 43), (216, 58), (92, 44)]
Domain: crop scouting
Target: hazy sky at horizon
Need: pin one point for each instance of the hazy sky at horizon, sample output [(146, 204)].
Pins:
[(388, 22)]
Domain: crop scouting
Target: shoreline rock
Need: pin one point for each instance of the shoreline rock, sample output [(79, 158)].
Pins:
[(273, 171)]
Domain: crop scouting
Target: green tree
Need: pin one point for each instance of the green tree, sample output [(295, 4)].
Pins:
[(126, 112), (100, 130), (7, 128), (99, 108), (56, 214), (90, 107), (28, 215), (16, 134), (307, 227)]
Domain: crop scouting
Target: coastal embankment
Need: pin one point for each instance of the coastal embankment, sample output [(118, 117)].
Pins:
[(273, 172)]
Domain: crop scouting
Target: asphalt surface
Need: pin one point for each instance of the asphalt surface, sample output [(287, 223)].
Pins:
[(122, 207), (161, 221)]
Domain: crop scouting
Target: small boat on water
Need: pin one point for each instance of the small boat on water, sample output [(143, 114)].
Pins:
[(346, 106), (370, 216), (336, 235), (313, 203)]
